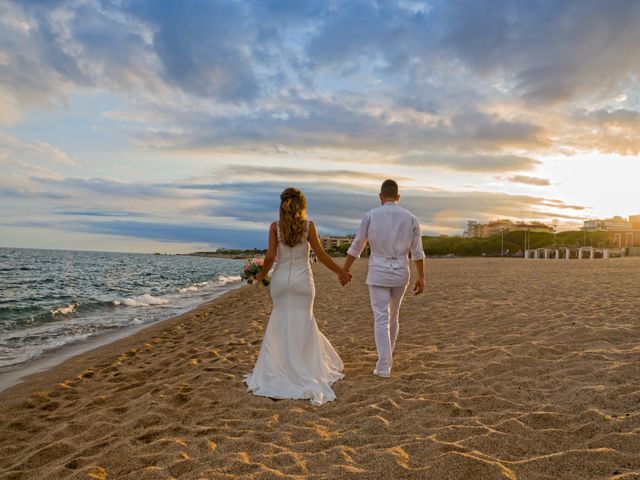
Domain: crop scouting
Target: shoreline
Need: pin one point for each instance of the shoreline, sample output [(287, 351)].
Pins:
[(15, 376)]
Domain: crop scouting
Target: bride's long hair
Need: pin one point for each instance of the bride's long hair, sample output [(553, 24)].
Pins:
[(293, 216)]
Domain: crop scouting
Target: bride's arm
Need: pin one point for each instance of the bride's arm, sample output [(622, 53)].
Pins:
[(324, 258), (272, 251)]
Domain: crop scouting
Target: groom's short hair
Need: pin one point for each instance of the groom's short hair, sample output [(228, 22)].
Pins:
[(389, 189)]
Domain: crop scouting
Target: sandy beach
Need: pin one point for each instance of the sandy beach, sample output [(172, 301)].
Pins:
[(504, 369)]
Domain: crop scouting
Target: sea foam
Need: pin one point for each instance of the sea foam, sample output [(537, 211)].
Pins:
[(192, 288), (224, 279), (65, 310), (141, 301)]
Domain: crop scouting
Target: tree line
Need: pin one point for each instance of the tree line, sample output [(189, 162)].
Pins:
[(513, 244)]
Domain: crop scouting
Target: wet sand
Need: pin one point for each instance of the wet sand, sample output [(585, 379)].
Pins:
[(504, 369)]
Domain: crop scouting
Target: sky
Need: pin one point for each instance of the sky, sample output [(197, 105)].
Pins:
[(156, 125)]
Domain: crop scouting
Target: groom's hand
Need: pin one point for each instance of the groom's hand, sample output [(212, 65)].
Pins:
[(419, 286)]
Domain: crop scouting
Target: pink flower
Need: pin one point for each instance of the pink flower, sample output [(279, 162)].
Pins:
[(258, 261)]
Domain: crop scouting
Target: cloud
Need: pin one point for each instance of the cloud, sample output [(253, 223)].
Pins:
[(10, 112), (182, 233), (338, 210), (15, 187), (366, 76), (605, 130), (240, 173), (526, 180), (621, 118), (267, 74), (107, 187), (205, 47), (471, 163), (21, 161), (34, 70), (234, 206), (93, 212), (546, 49), (338, 128), (562, 205), (17, 150)]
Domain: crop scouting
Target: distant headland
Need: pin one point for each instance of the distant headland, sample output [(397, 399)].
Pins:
[(224, 253)]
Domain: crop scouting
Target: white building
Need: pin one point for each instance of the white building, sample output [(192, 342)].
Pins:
[(608, 224), (329, 242), (620, 232)]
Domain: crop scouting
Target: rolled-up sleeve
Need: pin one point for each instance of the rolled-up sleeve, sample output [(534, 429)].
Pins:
[(360, 240), (417, 252)]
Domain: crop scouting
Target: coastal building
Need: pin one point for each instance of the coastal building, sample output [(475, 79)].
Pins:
[(329, 242), (622, 233), (476, 230), (497, 227), (607, 224)]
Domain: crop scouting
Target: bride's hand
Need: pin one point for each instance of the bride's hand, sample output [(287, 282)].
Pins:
[(259, 277), (344, 277)]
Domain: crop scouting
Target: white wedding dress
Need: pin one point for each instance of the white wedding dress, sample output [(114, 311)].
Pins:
[(296, 360)]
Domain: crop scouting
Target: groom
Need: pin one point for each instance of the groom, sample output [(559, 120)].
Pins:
[(393, 233)]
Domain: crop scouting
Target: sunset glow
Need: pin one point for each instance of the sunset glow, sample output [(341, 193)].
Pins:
[(173, 126)]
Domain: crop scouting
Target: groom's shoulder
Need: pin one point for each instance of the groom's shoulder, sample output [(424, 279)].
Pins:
[(397, 210), (406, 212)]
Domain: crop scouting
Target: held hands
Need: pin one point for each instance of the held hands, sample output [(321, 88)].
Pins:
[(344, 277), (419, 286)]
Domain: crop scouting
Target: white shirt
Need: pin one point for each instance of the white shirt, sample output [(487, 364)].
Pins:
[(392, 233)]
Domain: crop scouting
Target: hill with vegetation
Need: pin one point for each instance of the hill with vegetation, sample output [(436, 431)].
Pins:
[(514, 243), (229, 253)]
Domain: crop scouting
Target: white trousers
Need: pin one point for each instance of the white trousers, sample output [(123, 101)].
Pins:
[(385, 303)]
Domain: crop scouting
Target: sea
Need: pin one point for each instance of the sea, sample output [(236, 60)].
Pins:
[(52, 299)]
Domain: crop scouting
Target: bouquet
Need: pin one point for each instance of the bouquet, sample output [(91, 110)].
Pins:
[(251, 269)]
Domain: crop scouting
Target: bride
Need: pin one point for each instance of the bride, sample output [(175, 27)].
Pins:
[(296, 360)]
